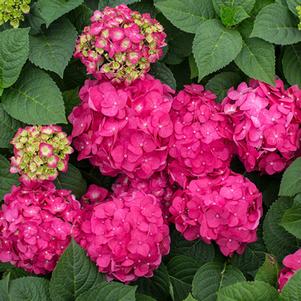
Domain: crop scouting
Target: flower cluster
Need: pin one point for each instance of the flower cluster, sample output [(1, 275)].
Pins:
[(266, 123), (125, 235), (124, 128), (13, 11), (201, 143), (157, 185), (40, 152), (292, 263), (225, 208), (120, 44), (35, 225), (298, 8)]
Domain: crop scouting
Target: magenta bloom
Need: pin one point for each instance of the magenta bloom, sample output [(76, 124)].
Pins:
[(266, 122), (125, 235), (292, 263), (226, 209), (40, 152), (124, 129), (201, 143), (36, 225), (157, 185), (120, 44)]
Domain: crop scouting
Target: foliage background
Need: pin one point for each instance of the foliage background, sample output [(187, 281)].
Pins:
[(217, 42)]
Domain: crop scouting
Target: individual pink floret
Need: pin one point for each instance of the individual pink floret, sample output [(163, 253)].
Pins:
[(35, 225), (201, 142), (124, 129), (292, 263), (225, 209), (266, 123), (120, 44), (125, 235)]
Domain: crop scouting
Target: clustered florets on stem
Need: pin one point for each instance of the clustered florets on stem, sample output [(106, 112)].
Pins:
[(120, 44), (13, 11), (35, 225), (40, 152), (125, 235)]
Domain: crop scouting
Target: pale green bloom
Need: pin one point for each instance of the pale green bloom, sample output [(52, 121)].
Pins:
[(13, 11)]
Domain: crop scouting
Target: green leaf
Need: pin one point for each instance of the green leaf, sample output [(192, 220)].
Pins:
[(232, 15), (34, 99), (109, 292), (29, 288), (52, 10), (269, 271), (277, 240), (73, 275), (292, 4), (157, 286), (8, 128), (291, 221), (186, 15), (181, 270), (248, 291), (190, 298), (80, 17), (291, 64), (222, 82), (13, 272), (4, 287), (14, 50), (53, 49), (112, 3), (252, 258), (257, 60), (141, 297), (196, 249), (291, 180), (71, 99), (162, 72), (277, 25), (34, 19), (7, 180), (193, 67), (179, 42), (214, 47), (260, 4), (292, 289), (247, 5), (72, 180), (213, 276)]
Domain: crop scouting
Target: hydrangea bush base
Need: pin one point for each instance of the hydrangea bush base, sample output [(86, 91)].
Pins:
[(150, 150)]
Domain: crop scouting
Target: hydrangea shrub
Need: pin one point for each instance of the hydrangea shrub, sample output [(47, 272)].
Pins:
[(150, 150)]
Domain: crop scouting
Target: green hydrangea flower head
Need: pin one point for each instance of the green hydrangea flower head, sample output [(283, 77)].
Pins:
[(13, 11)]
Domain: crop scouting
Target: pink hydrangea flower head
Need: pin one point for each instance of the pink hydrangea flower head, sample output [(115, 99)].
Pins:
[(201, 142), (266, 124), (35, 225), (120, 44), (225, 209), (124, 129), (40, 152), (125, 235), (292, 263), (157, 185)]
